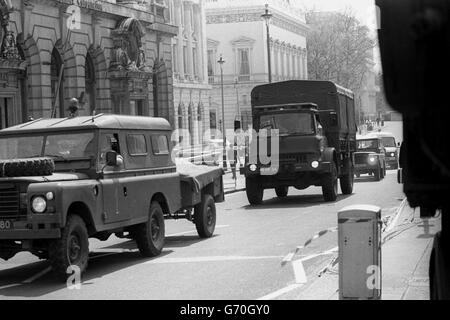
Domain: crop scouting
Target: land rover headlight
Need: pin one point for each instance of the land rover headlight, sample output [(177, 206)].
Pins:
[(253, 167), (39, 204), (315, 164), (392, 154), (372, 159), (50, 196)]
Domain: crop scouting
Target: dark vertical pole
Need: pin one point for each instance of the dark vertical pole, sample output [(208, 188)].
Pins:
[(268, 53), (224, 157)]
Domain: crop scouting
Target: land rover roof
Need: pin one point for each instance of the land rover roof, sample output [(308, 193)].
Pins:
[(100, 121)]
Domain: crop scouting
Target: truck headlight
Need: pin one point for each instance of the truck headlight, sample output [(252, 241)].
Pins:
[(253, 167), (315, 164), (39, 204), (372, 159)]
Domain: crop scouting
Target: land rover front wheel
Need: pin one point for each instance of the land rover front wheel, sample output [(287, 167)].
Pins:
[(150, 236), (71, 250), (205, 216), (330, 185), (282, 192), (254, 191), (378, 174)]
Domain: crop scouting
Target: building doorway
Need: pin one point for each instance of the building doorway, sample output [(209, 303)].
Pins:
[(6, 112)]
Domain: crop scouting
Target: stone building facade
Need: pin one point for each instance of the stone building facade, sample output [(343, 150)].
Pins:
[(190, 80), (243, 46), (114, 56)]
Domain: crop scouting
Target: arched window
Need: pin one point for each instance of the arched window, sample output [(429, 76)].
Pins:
[(91, 88), (58, 96), (180, 116)]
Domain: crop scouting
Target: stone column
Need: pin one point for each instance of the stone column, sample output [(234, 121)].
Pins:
[(188, 28)]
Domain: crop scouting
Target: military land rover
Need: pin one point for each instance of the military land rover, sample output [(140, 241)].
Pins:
[(63, 181)]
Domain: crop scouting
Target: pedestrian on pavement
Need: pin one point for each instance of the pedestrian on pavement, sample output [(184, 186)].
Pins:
[(231, 159)]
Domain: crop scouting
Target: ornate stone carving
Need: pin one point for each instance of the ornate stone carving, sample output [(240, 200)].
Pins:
[(128, 53), (8, 45)]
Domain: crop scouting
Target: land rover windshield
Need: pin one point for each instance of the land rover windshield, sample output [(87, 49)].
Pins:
[(295, 123), (60, 146), (388, 142)]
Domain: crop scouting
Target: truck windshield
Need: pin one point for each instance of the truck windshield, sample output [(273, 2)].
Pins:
[(58, 146), (367, 144), (389, 142), (289, 123)]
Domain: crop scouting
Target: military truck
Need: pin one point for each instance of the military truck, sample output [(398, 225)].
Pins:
[(317, 137), (63, 181)]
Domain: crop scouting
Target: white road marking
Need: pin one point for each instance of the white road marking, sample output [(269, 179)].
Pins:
[(299, 272), (397, 215), (111, 251), (210, 259), (281, 292)]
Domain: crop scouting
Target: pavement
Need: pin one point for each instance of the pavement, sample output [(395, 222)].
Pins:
[(405, 257)]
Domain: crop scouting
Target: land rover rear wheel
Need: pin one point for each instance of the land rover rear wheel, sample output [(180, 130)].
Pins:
[(205, 216), (330, 185), (254, 191), (150, 236), (72, 249), (282, 192)]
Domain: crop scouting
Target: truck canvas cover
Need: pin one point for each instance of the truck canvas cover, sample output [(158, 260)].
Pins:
[(325, 94)]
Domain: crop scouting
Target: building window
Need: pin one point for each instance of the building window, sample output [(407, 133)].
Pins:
[(194, 61), (185, 60), (243, 64), (212, 119), (211, 64), (55, 68), (175, 58), (90, 83)]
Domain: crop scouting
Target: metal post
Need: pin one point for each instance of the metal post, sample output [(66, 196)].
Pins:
[(267, 16), (224, 156)]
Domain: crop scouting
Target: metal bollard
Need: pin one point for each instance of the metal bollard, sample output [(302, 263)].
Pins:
[(359, 237)]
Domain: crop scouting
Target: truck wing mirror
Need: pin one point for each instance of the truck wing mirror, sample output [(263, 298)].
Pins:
[(111, 158)]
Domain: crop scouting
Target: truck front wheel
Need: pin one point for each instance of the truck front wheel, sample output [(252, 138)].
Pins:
[(347, 180), (330, 185), (205, 216), (150, 236), (254, 191), (72, 249)]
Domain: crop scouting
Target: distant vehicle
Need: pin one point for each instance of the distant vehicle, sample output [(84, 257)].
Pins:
[(63, 181), (370, 157), (392, 149), (317, 137)]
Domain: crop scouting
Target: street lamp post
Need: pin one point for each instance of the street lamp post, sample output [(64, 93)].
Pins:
[(224, 151), (267, 16)]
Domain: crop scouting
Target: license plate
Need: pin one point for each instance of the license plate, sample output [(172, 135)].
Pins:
[(6, 224)]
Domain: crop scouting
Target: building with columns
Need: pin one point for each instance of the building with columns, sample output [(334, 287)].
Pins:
[(190, 80), (115, 56), (236, 30)]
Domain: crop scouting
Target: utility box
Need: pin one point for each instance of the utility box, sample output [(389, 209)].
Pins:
[(359, 237)]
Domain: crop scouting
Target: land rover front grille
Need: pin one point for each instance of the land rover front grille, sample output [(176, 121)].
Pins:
[(360, 158), (293, 158), (9, 201)]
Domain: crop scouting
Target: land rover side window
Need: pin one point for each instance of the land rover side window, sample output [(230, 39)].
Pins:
[(72, 145), (108, 142), (20, 147), (160, 145), (301, 123), (137, 146)]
